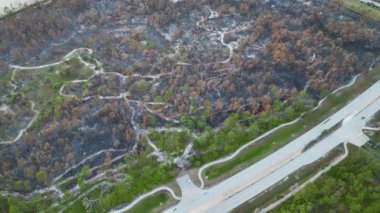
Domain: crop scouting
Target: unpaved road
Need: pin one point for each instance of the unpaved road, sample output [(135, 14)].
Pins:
[(14, 4)]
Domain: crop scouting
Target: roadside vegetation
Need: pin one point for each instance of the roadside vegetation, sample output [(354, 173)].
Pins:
[(293, 181), (351, 186), (374, 144), (155, 203), (240, 128)]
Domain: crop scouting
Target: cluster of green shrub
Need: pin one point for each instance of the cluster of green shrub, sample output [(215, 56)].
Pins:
[(240, 128), (15, 204), (351, 186), (141, 174), (171, 142)]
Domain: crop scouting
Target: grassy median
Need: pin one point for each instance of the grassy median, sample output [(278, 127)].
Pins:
[(363, 9)]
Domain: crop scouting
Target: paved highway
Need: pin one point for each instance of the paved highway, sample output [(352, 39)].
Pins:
[(250, 182)]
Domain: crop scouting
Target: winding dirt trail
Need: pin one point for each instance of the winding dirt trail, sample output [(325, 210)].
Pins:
[(124, 95), (14, 87), (231, 46), (97, 69), (22, 131)]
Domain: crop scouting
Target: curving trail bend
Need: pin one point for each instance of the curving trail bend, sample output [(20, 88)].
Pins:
[(131, 205), (22, 131)]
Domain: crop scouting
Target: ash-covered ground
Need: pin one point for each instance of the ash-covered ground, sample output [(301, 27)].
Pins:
[(157, 65)]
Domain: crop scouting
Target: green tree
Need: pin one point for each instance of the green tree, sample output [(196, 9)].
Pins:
[(41, 175)]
